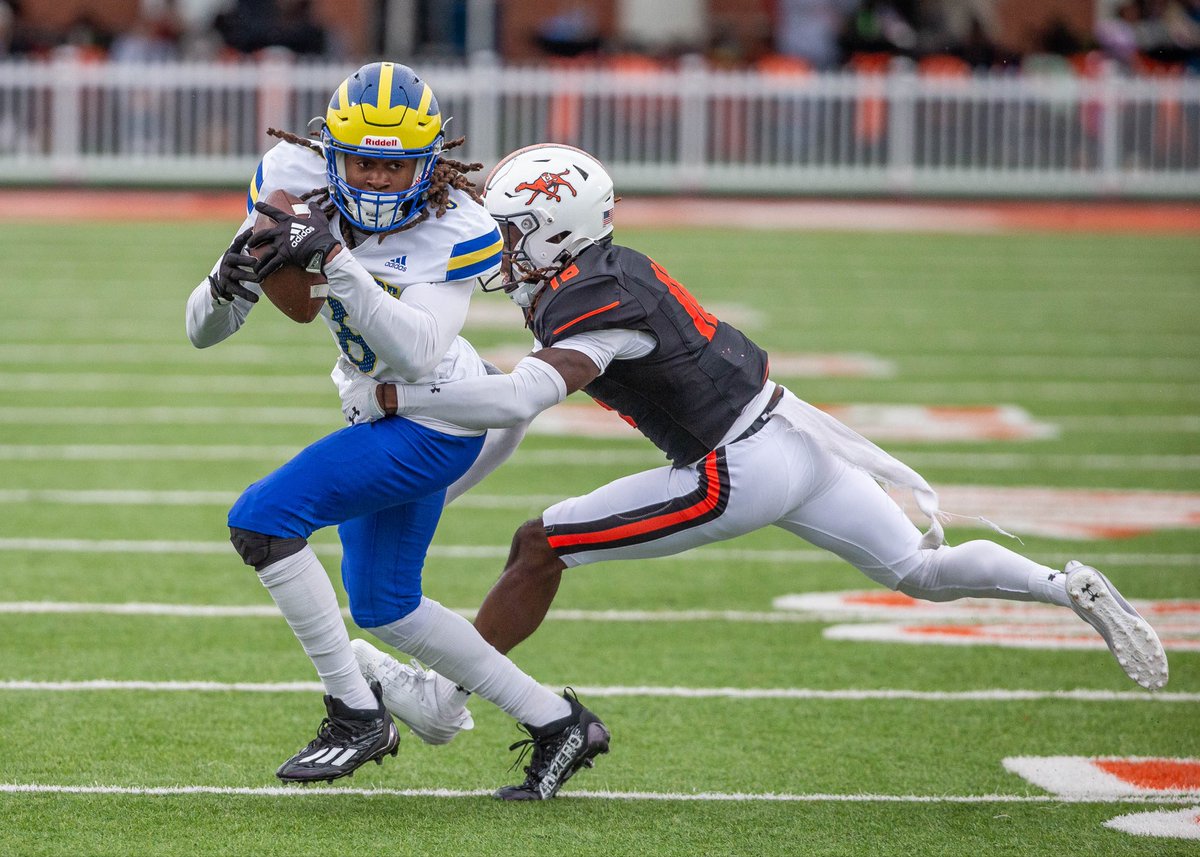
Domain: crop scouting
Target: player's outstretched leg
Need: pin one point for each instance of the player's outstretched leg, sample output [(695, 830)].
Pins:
[(346, 739), (559, 749), (427, 703), (1129, 637)]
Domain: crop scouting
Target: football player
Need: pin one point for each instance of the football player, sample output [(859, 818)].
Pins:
[(745, 451), (403, 241)]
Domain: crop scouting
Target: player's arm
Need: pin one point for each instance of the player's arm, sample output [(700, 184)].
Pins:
[(539, 381), (410, 334), (218, 306)]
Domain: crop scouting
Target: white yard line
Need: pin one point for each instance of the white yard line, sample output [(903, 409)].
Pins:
[(143, 452), (138, 546), (120, 497), (104, 382), (1046, 461), (752, 617), (1033, 367), (169, 415), (649, 692), (1128, 423), (1027, 390), (155, 354), (263, 611), (127, 497), (315, 385), (1148, 369), (149, 546), (141, 608), (644, 457), (734, 797), (154, 497), (301, 416), (131, 497), (1041, 355)]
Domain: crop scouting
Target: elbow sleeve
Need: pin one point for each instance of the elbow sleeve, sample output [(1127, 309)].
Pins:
[(536, 386)]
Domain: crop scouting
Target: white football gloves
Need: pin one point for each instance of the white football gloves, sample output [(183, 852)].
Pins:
[(359, 404)]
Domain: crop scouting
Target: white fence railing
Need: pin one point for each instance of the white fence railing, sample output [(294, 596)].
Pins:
[(691, 130)]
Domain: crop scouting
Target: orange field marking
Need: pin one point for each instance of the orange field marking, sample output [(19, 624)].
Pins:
[(1155, 773), (1108, 776)]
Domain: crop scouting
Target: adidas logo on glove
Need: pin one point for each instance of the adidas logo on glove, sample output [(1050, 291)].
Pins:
[(299, 233)]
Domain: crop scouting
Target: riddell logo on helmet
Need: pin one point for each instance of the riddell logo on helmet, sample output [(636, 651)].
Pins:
[(382, 142)]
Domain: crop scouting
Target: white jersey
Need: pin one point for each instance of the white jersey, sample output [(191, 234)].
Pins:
[(396, 304)]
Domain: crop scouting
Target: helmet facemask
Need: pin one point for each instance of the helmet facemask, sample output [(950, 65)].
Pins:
[(374, 211), (382, 112), (520, 277)]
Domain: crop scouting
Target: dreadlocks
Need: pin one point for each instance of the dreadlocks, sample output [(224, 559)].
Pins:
[(297, 139), (447, 173)]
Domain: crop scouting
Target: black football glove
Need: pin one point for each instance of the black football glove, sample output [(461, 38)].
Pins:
[(235, 268), (294, 240)]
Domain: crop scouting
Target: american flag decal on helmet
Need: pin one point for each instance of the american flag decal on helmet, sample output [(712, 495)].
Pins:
[(606, 219)]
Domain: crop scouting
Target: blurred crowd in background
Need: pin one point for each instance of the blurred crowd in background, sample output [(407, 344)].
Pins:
[(798, 36)]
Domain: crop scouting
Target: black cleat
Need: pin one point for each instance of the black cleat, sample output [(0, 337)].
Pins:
[(346, 739), (559, 750)]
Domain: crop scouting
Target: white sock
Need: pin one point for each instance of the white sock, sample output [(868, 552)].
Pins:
[(1049, 585), (448, 643), (305, 597), (984, 569)]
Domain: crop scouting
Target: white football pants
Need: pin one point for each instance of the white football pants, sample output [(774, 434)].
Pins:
[(782, 476)]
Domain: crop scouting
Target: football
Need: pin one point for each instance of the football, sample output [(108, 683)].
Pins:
[(297, 293)]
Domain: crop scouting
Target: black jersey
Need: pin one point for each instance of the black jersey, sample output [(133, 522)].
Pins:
[(684, 395)]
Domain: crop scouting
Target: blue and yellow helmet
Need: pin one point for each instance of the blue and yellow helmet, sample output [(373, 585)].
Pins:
[(383, 110)]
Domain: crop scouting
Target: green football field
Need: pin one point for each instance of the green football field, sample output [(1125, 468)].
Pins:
[(135, 721)]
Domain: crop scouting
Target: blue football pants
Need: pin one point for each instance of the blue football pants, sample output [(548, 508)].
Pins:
[(383, 484)]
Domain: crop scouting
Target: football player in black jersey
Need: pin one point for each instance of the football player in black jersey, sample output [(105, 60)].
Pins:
[(745, 452)]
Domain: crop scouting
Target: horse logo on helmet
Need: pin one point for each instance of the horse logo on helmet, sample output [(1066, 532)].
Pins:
[(548, 183)]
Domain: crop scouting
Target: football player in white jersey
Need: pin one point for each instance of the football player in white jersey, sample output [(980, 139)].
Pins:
[(403, 241), (746, 452)]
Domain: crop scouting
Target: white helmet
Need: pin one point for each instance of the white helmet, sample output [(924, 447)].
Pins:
[(551, 202)]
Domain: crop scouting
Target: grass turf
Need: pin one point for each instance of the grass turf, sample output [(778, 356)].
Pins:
[(1061, 325)]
